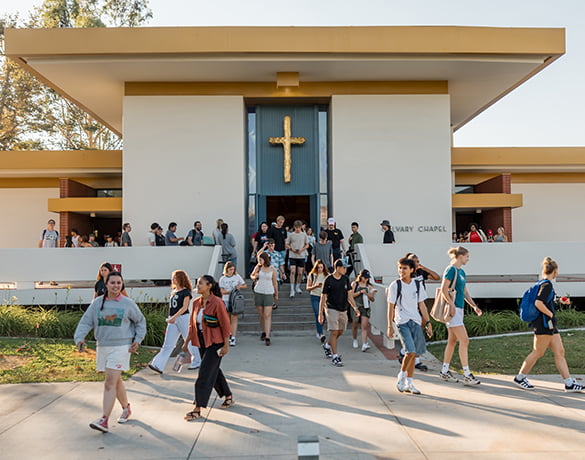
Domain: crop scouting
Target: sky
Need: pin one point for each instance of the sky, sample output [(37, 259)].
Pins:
[(548, 110)]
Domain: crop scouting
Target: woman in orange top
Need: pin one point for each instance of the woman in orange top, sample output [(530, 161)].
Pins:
[(209, 329)]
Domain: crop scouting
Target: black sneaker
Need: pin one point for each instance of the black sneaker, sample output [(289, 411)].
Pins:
[(400, 357), (336, 361), (574, 388), (421, 367), (524, 383), (328, 352), (263, 336)]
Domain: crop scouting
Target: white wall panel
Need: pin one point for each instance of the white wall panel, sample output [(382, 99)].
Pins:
[(391, 159)]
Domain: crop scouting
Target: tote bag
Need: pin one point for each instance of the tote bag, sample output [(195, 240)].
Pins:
[(440, 310)]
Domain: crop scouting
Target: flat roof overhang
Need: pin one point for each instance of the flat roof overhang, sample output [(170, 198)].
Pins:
[(477, 65)]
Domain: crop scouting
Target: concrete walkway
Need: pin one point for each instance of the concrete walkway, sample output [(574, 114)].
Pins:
[(288, 390)]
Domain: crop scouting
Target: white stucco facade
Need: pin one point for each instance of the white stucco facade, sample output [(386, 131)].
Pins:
[(550, 212), (184, 160), (391, 157), (25, 215)]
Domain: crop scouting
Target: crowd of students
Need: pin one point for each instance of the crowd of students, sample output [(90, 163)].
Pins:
[(209, 329)]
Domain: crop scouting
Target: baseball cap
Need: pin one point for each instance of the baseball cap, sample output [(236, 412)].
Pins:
[(340, 263), (365, 274), (331, 221)]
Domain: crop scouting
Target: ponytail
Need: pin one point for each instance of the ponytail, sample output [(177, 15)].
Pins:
[(215, 289), (458, 251), (549, 266)]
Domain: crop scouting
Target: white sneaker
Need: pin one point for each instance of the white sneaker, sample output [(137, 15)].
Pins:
[(366, 346), (401, 384), (232, 341), (411, 389), (470, 380), (126, 413), (355, 343), (298, 289)]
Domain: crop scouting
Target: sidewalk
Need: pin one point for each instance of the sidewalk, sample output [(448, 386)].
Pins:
[(288, 390)]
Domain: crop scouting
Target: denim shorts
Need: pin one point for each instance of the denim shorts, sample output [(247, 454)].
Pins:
[(412, 338)]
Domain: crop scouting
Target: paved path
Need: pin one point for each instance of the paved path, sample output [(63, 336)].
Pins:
[(288, 390)]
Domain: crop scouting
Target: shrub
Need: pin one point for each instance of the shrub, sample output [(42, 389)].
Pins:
[(19, 321), (570, 318)]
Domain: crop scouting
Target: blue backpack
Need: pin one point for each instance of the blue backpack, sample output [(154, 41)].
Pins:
[(528, 311)]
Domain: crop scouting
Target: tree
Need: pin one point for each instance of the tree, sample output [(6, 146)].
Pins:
[(33, 116)]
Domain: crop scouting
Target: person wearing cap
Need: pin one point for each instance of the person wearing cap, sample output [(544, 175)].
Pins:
[(49, 236), (335, 297), (336, 237), (388, 234), (363, 293)]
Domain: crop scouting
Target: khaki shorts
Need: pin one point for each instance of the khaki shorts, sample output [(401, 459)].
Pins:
[(336, 320), (263, 300), (116, 358)]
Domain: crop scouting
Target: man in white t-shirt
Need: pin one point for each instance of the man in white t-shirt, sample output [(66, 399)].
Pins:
[(407, 309), (297, 244), (49, 236)]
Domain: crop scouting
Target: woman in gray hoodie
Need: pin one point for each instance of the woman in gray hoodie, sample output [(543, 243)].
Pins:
[(119, 327)]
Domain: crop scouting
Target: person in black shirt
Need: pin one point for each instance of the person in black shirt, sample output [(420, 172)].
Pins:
[(278, 234), (336, 237), (178, 323), (388, 234), (335, 298), (546, 334)]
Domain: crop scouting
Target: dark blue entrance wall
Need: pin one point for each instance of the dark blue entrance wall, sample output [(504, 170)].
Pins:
[(270, 158)]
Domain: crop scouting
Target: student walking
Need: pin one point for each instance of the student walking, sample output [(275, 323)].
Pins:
[(209, 330), (265, 294), (227, 283), (421, 273), (119, 327), (100, 284), (546, 334), (335, 297), (407, 309), (363, 293), (297, 244), (228, 245), (178, 323), (323, 250), (456, 332), (315, 281)]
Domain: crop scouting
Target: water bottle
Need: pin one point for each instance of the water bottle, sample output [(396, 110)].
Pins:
[(179, 362)]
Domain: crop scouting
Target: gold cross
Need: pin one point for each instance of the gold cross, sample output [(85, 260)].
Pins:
[(286, 142)]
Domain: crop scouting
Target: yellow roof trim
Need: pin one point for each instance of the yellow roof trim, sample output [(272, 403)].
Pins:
[(198, 40)]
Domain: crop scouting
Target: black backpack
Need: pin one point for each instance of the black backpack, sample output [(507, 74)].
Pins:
[(236, 302), (399, 289)]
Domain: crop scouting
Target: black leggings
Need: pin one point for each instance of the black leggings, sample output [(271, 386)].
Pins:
[(210, 375)]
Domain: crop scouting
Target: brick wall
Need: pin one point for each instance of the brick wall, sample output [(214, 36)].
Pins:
[(70, 189)]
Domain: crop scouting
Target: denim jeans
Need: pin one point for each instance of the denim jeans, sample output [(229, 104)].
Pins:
[(315, 299)]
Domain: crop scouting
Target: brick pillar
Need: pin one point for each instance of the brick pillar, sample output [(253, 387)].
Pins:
[(69, 188)]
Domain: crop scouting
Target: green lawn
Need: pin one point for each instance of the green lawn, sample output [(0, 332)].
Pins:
[(28, 360), (504, 355)]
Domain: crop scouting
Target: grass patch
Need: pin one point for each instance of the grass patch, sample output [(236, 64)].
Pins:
[(29, 360), (20, 321), (504, 355)]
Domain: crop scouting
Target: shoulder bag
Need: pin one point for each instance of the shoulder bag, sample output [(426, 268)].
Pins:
[(441, 310)]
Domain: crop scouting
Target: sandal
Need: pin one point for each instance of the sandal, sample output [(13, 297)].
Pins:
[(193, 415), (228, 402)]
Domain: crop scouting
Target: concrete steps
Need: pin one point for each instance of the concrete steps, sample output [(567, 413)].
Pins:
[(292, 315)]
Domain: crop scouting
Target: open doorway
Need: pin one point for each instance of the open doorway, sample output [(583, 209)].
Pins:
[(296, 207)]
